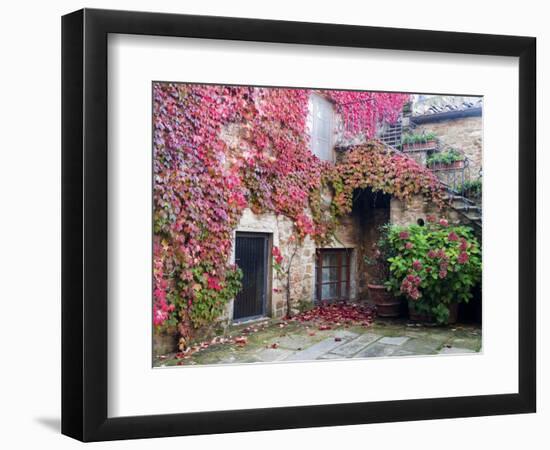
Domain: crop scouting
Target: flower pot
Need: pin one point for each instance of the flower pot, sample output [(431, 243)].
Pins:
[(430, 144), (453, 313), (387, 305), (444, 166), (418, 146), (418, 316), (456, 164)]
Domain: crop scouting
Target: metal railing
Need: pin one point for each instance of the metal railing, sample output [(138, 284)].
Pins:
[(461, 189)]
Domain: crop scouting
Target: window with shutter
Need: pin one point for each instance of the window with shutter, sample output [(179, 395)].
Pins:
[(322, 128)]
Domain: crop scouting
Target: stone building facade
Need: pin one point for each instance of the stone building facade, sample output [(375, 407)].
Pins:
[(466, 134), (305, 280), (457, 122)]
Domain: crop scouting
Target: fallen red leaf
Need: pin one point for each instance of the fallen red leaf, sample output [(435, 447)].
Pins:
[(241, 340), (337, 314)]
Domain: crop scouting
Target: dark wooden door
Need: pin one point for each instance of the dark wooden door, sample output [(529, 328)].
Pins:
[(251, 252)]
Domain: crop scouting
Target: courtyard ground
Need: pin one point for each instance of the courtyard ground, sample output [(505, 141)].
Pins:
[(284, 341)]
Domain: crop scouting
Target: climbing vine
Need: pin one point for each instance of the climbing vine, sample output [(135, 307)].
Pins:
[(372, 166), (220, 149), (362, 111)]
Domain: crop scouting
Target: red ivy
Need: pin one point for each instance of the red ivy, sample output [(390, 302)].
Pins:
[(204, 177), (372, 165)]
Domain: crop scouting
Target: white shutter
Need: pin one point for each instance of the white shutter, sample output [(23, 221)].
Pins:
[(322, 130)]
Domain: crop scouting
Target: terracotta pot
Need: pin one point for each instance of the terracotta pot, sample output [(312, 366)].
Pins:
[(453, 165), (456, 164), (419, 146), (429, 144), (418, 316), (386, 304), (453, 313)]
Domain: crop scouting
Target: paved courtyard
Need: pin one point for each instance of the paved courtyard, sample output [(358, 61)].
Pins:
[(276, 341)]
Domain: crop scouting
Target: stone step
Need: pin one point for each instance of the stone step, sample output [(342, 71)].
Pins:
[(461, 204), (476, 219), (468, 209), (449, 197)]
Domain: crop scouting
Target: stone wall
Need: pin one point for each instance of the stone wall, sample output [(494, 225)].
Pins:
[(303, 262), (280, 229), (418, 208), (356, 232), (302, 274), (464, 134)]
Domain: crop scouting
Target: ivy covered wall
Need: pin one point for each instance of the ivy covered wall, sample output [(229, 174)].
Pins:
[(222, 150)]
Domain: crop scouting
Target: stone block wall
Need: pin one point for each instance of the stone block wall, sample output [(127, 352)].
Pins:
[(302, 273), (407, 213), (357, 232), (465, 134), (420, 156)]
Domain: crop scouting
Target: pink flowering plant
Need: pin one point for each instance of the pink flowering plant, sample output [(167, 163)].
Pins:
[(434, 265)]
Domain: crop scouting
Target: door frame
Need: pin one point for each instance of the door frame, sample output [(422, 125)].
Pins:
[(267, 279)]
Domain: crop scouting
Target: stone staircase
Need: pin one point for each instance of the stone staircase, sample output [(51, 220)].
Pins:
[(465, 207), (452, 179)]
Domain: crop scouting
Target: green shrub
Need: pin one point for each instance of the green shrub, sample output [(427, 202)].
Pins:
[(434, 265)]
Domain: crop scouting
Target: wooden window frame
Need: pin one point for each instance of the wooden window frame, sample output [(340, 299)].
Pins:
[(342, 253)]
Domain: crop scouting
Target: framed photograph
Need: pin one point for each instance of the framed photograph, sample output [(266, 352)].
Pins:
[(273, 225)]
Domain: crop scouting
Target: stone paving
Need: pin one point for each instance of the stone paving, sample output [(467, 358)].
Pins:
[(303, 342)]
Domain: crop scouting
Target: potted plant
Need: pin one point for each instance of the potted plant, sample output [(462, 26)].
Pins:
[(435, 267), (387, 305), (418, 142), (471, 189), (448, 159)]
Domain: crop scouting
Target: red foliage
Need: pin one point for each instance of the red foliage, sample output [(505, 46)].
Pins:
[(326, 316), (373, 166), (363, 110), (203, 182)]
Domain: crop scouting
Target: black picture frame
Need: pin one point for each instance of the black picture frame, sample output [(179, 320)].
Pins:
[(84, 224)]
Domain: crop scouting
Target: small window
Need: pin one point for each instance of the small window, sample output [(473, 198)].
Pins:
[(333, 275), (322, 128)]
